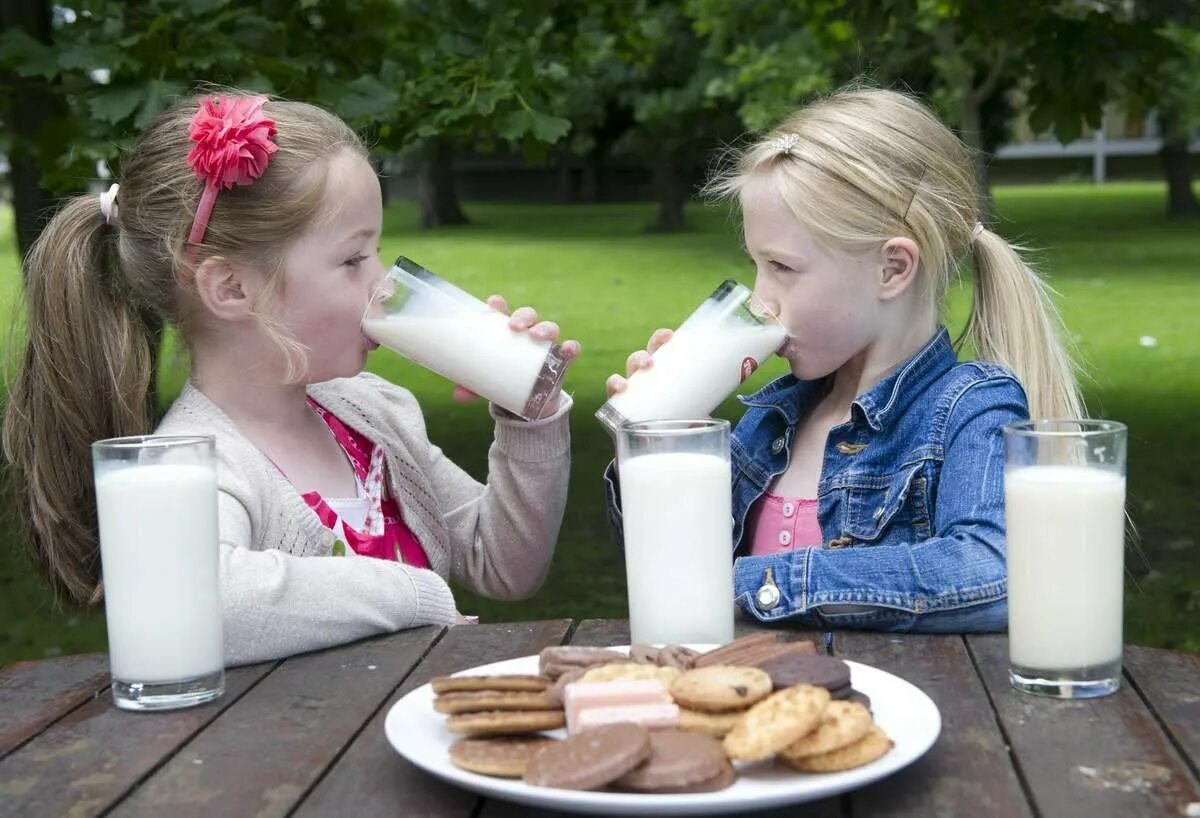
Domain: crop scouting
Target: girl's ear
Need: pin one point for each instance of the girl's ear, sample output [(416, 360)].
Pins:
[(901, 261), (223, 290)]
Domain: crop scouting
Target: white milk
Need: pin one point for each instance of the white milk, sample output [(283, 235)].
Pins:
[(1066, 541), (696, 370), (476, 350), (678, 547), (160, 550)]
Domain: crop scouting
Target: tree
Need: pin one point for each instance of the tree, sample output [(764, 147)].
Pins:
[(31, 116)]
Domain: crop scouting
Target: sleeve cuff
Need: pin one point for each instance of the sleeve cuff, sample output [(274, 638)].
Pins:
[(534, 440), (435, 603)]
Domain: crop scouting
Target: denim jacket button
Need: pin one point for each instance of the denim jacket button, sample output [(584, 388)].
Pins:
[(778, 445), (767, 597)]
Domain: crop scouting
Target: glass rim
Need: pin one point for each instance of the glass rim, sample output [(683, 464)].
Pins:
[(679, 427), (1065, 427), (152, 441)]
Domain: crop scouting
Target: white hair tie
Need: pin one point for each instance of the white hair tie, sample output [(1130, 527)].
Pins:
[(785, 143), (108, 204), (977, 231)]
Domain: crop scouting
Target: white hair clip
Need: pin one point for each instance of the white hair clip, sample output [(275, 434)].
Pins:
[(977, 231), (785, 143), (108, 204)]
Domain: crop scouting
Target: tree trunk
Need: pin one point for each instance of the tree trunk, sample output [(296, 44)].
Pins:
[(1177, 167), (970, 114), (435, 187), (589, 181), (670, 191), (31, 105)]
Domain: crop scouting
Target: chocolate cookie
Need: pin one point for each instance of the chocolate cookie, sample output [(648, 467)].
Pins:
[(554, 661), (720, 781), (731, 653), (798, 669), (589, 760), (677, 656), (676, 760), (851, 694), (499, 756)]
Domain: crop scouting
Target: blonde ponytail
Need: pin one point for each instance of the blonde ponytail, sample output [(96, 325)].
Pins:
[(1014, 322), (84, 375)]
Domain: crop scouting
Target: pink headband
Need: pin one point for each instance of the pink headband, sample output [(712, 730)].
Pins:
[(233, 147)]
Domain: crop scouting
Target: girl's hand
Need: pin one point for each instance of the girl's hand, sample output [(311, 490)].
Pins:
[(465, 620), (525, 319), (637, 360)]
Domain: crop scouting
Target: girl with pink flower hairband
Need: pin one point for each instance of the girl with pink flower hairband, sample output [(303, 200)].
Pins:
[(252, 226)]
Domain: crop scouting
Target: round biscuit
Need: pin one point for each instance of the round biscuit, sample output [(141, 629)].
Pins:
[(506, 722), (776, 722), (719, 688), (842, 724), (874, 745), (497, 756)]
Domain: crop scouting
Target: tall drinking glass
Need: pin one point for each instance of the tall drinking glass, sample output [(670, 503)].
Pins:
[(719, 345), (676, 502), (1064, 491), (156, 498), (450, 332)]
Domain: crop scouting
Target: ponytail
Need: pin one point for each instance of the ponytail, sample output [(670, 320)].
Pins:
[(1014, 322), (84, 375)]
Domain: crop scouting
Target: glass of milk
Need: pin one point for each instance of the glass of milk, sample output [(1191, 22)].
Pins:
[(1064, 493), (448, 331), (156, 498), (678, 524), (713, 351)]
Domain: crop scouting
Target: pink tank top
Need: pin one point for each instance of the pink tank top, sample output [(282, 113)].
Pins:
[(779, 524)]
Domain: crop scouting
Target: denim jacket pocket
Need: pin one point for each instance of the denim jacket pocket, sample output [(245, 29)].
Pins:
[(897, 502)]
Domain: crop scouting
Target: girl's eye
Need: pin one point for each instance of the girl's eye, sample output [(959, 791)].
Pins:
[(355, 261), (779, 266)]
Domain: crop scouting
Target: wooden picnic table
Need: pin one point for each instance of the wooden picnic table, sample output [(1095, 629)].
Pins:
[(304, 736)]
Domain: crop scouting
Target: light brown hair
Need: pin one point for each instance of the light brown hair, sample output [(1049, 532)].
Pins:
[(93, 291), (865, 165)]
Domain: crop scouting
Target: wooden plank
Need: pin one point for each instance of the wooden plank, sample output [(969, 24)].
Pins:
[(1087, 758), (1170, 682), (270, 747), (33, 695), (86, 761), (372, 779), (968, 771), (605, 632)]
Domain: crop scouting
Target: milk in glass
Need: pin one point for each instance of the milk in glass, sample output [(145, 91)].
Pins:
[(475, 349), (1065, 566), (160, 550), (719, 345), (678, 547), (450, 332)]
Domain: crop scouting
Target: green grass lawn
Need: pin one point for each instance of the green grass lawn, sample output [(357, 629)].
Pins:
[(1123, 271)]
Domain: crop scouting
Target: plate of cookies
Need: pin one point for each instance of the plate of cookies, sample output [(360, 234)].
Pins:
[(665, 730)]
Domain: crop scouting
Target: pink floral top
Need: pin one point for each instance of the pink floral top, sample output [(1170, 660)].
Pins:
[(383, 533), (780, 524)]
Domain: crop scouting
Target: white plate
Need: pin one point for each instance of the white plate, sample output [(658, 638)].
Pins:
[(906, 714)]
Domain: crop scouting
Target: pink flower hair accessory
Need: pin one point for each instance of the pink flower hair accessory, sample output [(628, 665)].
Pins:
[(233, 146)]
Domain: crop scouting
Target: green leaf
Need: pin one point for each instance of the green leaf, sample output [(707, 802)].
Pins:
[(26, 56), (339, 549), (159, 95), (114, 104)]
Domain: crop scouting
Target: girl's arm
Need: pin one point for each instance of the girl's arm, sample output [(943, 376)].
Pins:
[(954, 581), (503, 532), (276, 604)]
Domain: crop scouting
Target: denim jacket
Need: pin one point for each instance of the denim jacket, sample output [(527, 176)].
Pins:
[(910, 500)]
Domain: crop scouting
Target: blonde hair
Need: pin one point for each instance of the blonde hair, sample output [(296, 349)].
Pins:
[(864, 165), (95, 294)]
